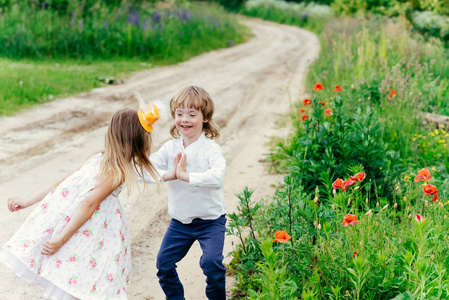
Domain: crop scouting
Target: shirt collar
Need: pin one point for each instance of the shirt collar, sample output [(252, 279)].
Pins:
[(193, 145)]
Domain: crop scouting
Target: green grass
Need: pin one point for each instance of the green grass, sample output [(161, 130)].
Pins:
[(26, 83)]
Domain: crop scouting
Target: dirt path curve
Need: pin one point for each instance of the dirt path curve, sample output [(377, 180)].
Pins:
[(251, 85)]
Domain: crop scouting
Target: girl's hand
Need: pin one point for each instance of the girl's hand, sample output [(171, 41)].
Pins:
[(181, 171), (52, 246), (17, 203)]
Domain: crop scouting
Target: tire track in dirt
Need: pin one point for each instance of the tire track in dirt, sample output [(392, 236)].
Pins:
[(252, 86)]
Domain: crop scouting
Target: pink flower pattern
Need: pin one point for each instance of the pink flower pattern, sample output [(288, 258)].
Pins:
[(92, 271)]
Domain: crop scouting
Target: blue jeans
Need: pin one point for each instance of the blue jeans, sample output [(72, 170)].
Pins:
[(176, 243)]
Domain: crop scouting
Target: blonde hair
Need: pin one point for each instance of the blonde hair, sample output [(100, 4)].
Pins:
[(127, 148), (197, 98)]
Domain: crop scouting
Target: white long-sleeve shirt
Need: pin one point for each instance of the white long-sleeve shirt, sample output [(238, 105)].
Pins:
[(203, 196)]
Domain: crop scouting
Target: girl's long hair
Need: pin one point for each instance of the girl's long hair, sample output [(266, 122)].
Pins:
[(199, 99), (127, 148)]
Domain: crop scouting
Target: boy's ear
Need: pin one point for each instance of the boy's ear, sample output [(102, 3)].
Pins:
[(205, 121)]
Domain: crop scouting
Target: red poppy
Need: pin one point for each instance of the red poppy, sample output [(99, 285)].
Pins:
[(392, 94), (281, 236), (429, 190), (423, 175), (323, 103), (347, 183), (305, 117), (338, 184), (419, 218), (318, 87), (359, 176), (306, 102), (328, 112), (302, 110), (355, 254), (350, 220), (338, 88)]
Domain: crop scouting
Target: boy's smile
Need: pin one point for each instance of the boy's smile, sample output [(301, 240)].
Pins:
[(189, 123)]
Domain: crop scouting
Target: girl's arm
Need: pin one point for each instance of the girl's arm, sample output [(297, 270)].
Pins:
[(18, 203), (83, 213)]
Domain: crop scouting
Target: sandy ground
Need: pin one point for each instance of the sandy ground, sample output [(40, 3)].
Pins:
[(252, 85)]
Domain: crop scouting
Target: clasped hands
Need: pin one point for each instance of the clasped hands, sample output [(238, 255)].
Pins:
[(179, 169)]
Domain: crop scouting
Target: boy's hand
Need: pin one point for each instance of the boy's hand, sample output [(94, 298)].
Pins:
[(171, 175), (181, 171), (17, 203)]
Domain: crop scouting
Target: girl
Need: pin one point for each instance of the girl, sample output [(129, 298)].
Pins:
[(75, 244), (195, 167)]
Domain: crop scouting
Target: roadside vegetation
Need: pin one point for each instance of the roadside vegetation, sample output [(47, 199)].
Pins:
[(78, 44), (362, 212)]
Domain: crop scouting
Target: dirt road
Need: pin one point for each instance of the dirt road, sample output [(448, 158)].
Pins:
[(251, 84)]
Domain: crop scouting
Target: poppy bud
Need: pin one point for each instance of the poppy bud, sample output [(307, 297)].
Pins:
[(315, 200), (315, 223), (385, 207), (432, 257), (426, 203), (397, 188), (377, 204), (445, 217), (361, 243), (395, 205), (334, 191), (333, 206), (410, 216), (319, 226), (369, 213), (349, 201), (347, 292), (356, 188), (405, 199)]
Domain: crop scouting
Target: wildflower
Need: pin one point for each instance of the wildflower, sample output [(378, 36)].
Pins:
[(323, 103), (423, 175), (281, 236), (347, 183), (306, 102), (337, 184), (359, 176), (318, 87), (395, 206), (392, 94), (350, 220), (355, 254), (328, 112), (385, 207), (441, 141), (419, 218), (302, 111), (369, 213), (431, 190), (305, 117), (338, 88)]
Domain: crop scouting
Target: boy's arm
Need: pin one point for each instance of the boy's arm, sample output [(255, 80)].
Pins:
[(213, 178), (18, 203), (83, 213)]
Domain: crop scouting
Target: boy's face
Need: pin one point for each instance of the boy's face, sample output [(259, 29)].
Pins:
[(189, 122)]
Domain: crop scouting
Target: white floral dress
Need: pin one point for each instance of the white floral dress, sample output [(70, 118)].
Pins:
[(95, 263)]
